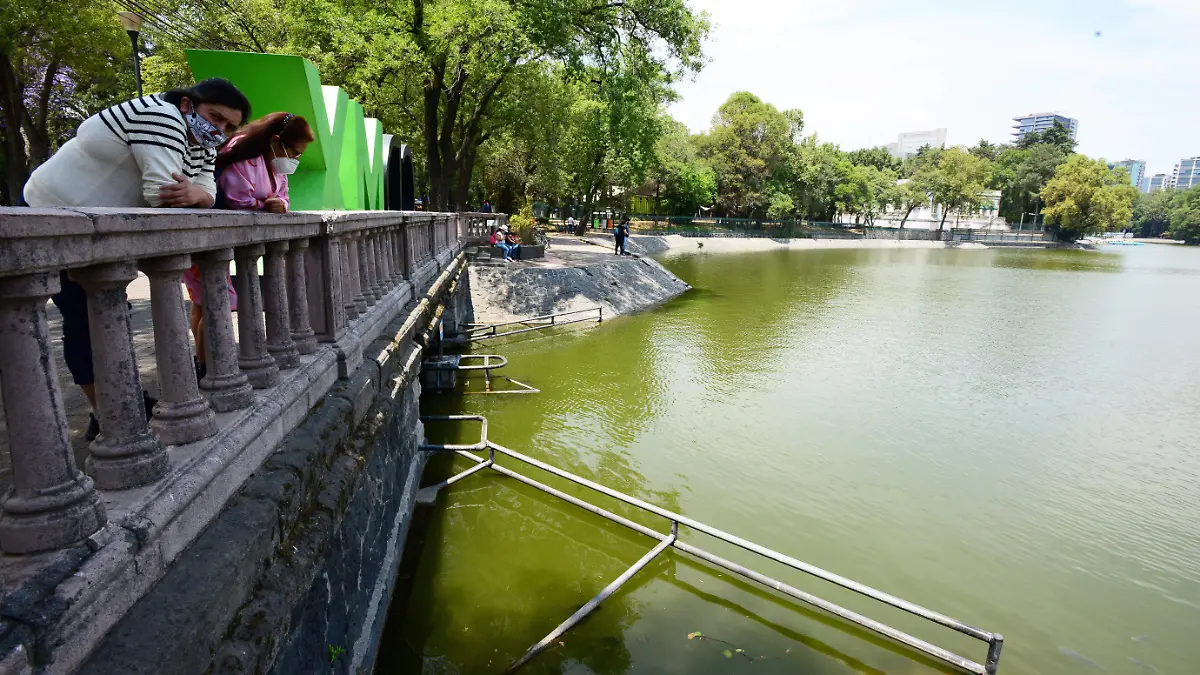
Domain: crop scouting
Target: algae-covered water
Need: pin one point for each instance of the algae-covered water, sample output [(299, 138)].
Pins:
[(1008, 437)]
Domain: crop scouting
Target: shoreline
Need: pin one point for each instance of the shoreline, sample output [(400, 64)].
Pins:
[(674, 244)]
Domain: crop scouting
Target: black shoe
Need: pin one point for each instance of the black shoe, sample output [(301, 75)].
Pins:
[(93, 429), (201, 370)]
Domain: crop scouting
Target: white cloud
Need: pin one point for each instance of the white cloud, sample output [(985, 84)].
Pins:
[(865, 70)]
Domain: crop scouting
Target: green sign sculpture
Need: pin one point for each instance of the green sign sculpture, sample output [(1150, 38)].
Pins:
[(344, 168)]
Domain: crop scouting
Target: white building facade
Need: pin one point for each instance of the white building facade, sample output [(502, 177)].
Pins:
[(1136, 168), (911, 142), (1186, 173), (1038, 122)]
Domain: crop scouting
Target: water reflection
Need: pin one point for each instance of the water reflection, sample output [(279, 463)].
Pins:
[(1008, 437)]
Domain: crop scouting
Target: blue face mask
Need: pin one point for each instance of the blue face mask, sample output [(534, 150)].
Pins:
[(207, 135)]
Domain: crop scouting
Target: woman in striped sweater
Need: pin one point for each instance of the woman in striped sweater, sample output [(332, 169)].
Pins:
[(155, 150)]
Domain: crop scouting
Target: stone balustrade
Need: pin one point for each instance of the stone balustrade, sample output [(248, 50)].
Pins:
[(477, 227), (330, 281)]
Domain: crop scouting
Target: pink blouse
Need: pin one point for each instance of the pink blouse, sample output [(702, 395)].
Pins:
[(246, 185)]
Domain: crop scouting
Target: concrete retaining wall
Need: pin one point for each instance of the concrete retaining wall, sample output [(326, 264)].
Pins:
[(296, 574)]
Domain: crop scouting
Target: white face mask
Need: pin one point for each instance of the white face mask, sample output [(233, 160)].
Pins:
[(285, 165)]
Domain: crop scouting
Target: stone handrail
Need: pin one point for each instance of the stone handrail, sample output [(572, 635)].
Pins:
[(478, 226), (323, 272)]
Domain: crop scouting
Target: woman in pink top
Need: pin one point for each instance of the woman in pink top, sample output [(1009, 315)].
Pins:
[(253, 170)]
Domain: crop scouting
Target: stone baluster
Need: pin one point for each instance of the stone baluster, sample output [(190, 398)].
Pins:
[(51, 504), (364, 267), (373, 246), (182, 414), (350, 276), (279, 330), (253, 358), (385, 258), (404, 249), (302, 332), (227, 386), (396, 251), (126, 454)]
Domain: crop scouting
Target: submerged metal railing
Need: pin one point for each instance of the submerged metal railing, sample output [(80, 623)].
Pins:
[(485, 331), (995, 641)]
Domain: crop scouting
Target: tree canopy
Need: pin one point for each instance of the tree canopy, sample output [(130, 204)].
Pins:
[(1086, 197)]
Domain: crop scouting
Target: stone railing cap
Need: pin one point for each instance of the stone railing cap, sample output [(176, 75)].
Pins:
[(23, 221), (109, 219)]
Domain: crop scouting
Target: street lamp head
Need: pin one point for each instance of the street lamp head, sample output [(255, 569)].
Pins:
[(130, 21)]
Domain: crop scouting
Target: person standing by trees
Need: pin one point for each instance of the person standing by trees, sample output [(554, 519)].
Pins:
[(157, 150)]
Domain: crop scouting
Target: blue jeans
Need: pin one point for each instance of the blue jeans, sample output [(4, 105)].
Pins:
[(508, 249)]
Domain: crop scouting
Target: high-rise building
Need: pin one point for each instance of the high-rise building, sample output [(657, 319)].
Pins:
[(1159, 181), (1027, 124), (1186, 173), (1144, 186), (911, 142), (1136, 168)]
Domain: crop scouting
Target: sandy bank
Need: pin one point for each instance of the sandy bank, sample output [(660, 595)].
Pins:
[(574, 275)]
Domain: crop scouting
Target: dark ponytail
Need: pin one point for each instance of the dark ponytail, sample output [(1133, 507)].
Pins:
[(214, 90)]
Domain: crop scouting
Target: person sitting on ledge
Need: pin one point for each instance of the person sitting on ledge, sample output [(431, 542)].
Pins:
[(504, 241), (157, 150), (254, 167)]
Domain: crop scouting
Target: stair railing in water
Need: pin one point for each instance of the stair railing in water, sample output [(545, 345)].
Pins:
[(995, 641)]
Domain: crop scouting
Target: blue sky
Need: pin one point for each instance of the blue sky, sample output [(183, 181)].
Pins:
[(865, 70)]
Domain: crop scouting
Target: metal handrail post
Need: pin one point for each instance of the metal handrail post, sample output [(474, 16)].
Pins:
[(595, 602), (993, 656)]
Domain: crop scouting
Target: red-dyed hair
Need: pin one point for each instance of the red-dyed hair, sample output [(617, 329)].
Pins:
[(254, 139)]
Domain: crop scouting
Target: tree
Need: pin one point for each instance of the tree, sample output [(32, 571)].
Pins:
[(1087, 197), (1185, 215), (682, 180), (879, 158), (747, 148), (911, 194), (1020, 174), (444, 70), (816, 169), (987, 150), (957, 182), (51, 79), (1152, 213)]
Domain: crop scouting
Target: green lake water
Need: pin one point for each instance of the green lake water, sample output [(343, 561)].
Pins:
[(1008, 437)]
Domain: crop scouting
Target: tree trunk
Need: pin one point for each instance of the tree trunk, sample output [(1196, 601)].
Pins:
[(942, 225), (12, 105)]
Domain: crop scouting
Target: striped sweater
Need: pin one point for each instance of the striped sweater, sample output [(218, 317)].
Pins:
[(121, 157)]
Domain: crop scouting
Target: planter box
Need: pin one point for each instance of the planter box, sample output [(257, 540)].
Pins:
[(528, 252)]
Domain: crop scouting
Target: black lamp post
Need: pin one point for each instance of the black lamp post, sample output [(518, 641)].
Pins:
[(132, 23)]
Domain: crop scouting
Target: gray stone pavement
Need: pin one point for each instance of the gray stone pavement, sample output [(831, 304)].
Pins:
[(73, 398)]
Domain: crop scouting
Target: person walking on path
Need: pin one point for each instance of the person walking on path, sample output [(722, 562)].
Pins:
[(157, 150), (254, 167), (621, 236)]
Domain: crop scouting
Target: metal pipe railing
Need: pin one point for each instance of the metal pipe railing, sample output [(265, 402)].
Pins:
[(995, 640), (483, 331)]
